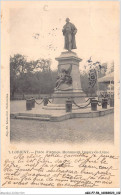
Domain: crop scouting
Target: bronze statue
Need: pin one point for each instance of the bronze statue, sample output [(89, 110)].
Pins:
[(69, 30)]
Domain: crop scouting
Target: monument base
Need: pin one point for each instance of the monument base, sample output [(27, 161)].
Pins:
[(60, 97), (68, 85)]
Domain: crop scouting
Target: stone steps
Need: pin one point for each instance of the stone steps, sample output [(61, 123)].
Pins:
[(34, 115), (32, 118), (62, 116)]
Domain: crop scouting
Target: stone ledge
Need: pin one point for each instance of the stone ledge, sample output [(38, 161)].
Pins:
[(61, 117), (68, 55)]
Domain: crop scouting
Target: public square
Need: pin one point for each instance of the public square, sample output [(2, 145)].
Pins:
[(68, 86), (81, 130)]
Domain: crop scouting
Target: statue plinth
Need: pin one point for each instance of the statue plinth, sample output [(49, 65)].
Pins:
[(68, 56), (73, 90)]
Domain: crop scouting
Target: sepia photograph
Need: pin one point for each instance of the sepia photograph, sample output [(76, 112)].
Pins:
[(62, 74), (60, 95)]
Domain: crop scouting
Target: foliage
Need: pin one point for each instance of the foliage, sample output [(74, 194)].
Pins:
[(31, 76), (89, 91), (101, 71), (17, 68), (36, 77)]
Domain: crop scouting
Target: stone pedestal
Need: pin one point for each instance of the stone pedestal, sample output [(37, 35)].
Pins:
[(65, 60), (65, 91)]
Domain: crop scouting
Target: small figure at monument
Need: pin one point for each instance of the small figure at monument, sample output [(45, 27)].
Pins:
[(64, 77), (69, 30)]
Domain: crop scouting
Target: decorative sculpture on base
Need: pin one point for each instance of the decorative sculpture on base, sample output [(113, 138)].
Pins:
[(64, 78)]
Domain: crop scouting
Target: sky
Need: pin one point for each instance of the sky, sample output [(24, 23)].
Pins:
[(36, 29)]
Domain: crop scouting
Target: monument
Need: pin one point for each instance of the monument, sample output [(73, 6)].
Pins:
[(68, 84)]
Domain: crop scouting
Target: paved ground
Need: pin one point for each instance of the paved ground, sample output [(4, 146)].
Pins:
[(79, 130), (16, 106), (73, 130)]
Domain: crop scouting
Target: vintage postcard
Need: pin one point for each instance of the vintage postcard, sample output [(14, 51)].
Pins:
[(60, 94)]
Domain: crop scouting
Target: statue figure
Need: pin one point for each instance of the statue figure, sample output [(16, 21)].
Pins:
[(64, 77), (69, 30)]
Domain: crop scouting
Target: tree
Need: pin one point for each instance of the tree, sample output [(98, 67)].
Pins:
[(30, 76), (89, 90), (17, 67), (100, 72), (43, 65)]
